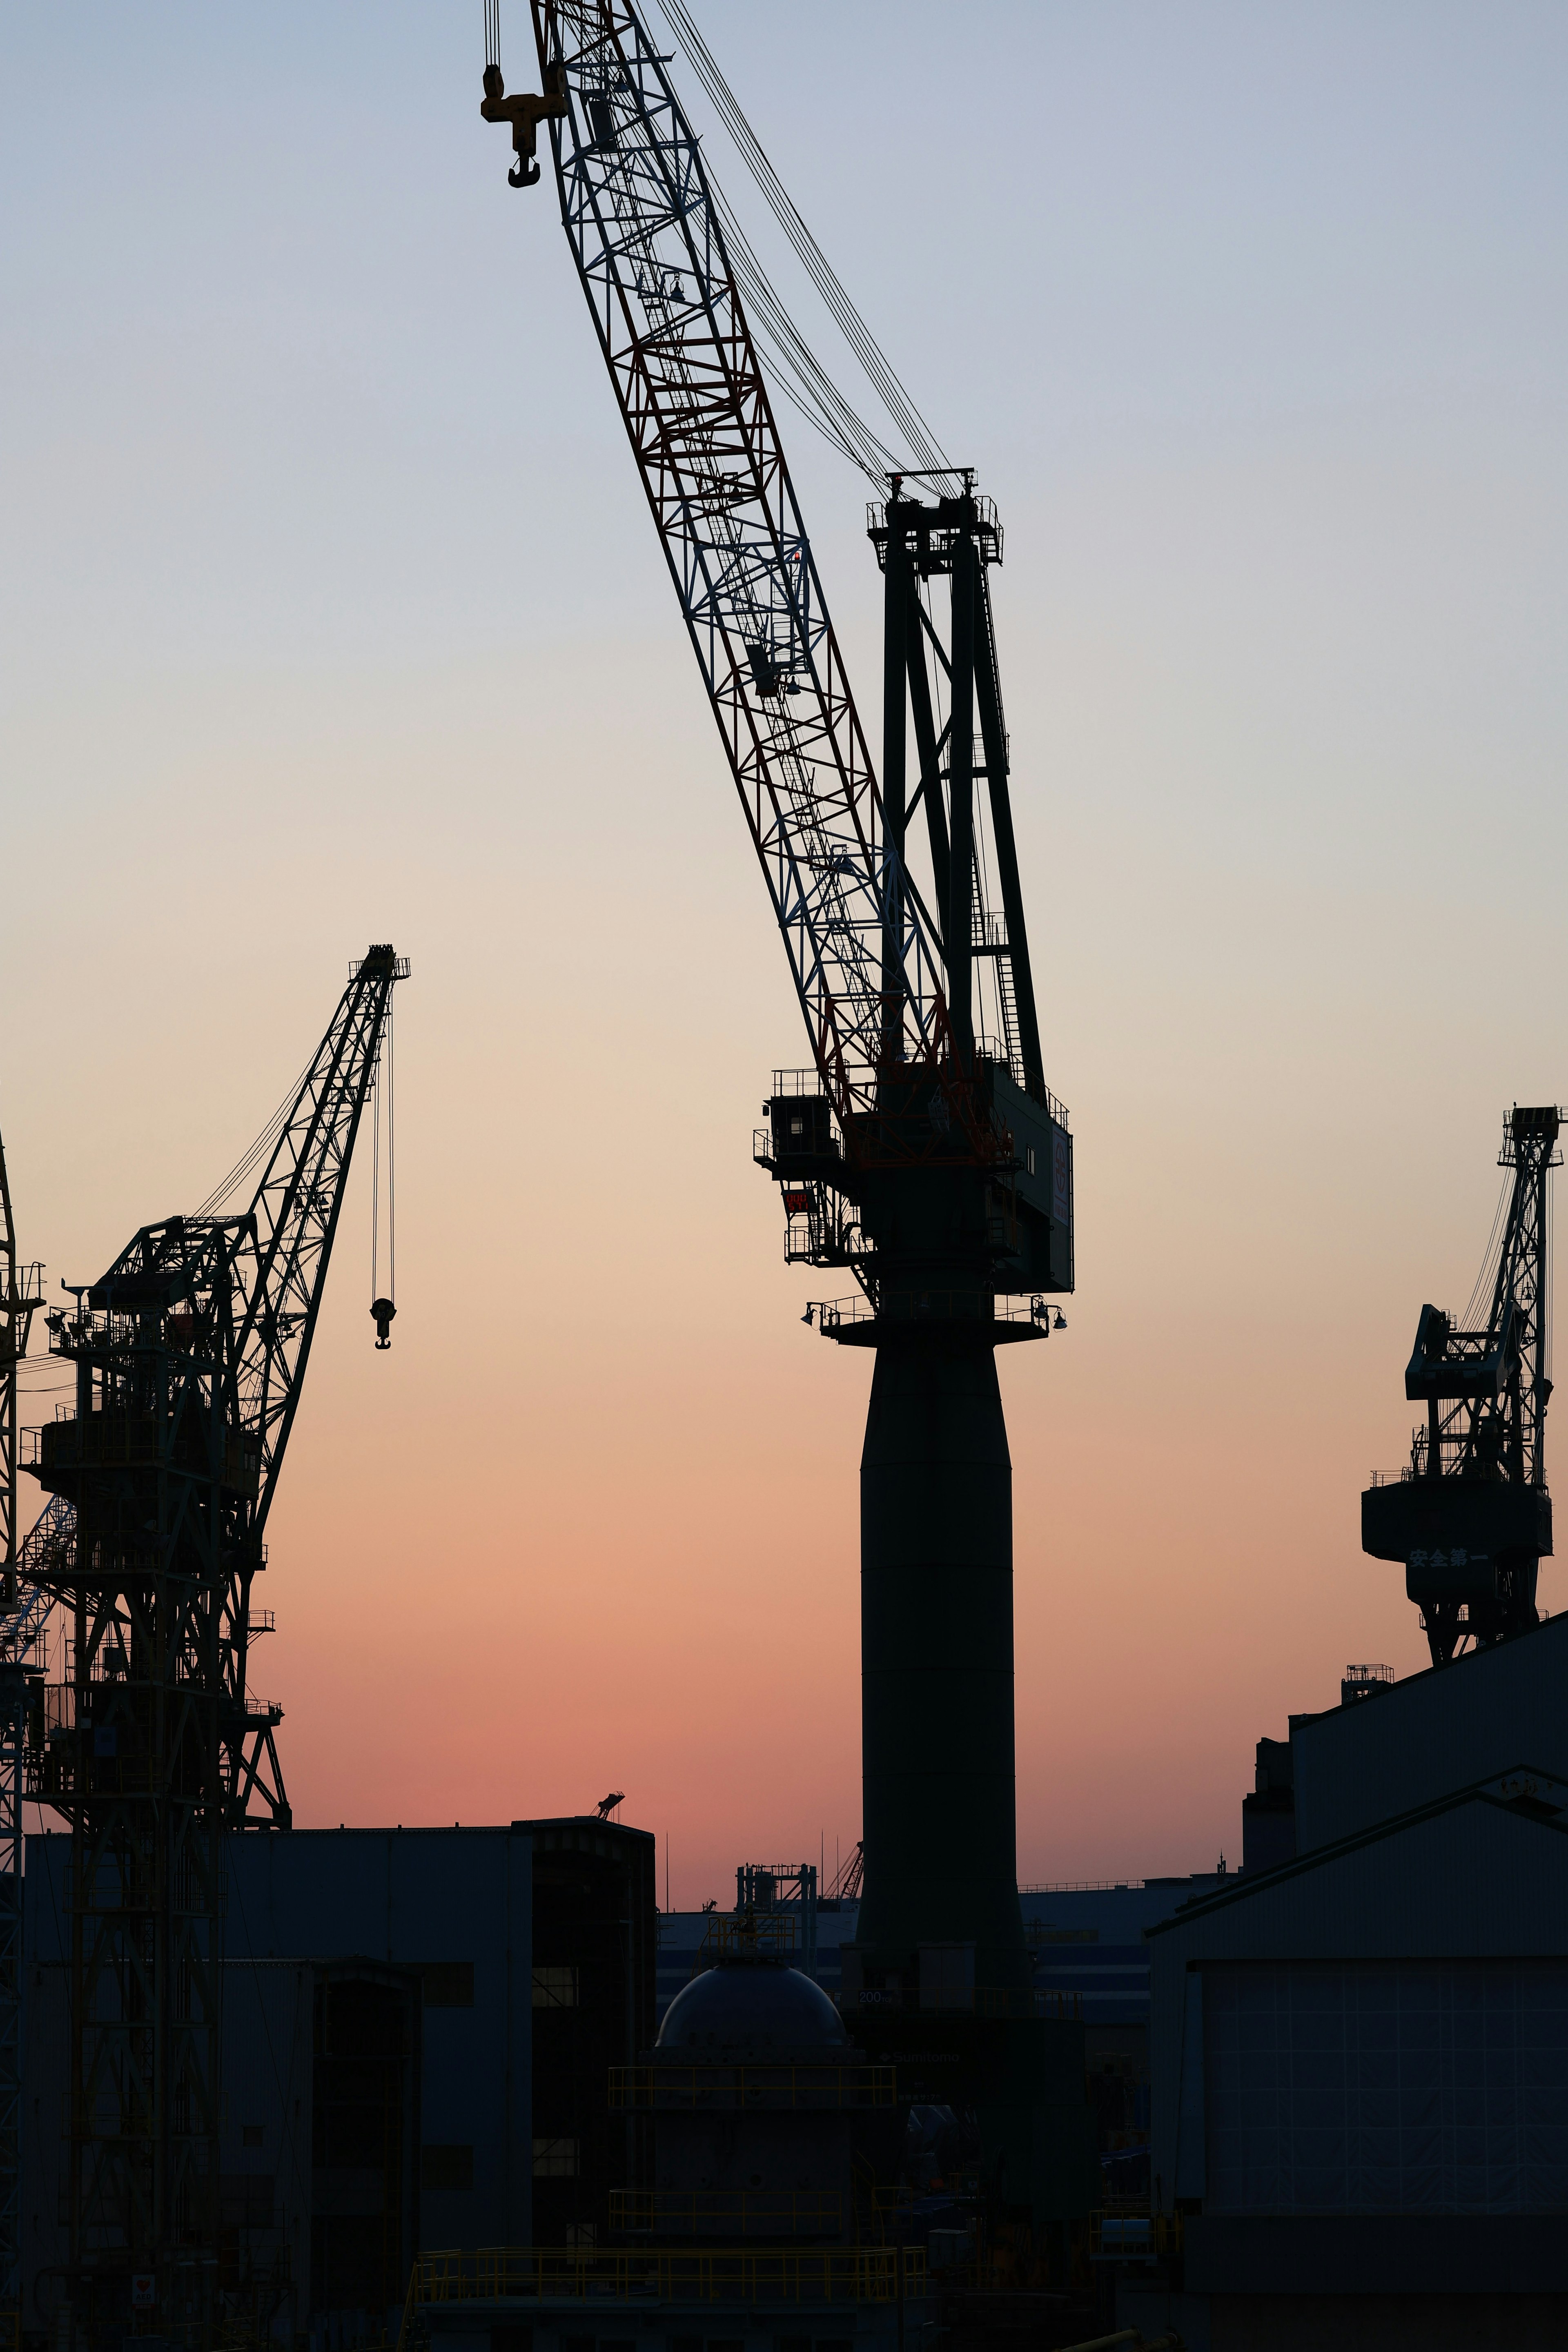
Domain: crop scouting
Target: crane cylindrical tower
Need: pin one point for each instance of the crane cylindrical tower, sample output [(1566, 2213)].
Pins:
[(936, 1664)]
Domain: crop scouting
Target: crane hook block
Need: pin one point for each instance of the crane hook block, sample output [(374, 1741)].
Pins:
[(384, 1310), (525, 114)]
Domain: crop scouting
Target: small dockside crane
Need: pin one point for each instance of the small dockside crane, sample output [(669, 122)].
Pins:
[(1470, 1516), (189, 1356)]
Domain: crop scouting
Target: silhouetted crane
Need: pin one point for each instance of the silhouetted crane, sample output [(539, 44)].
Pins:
[(923, 1151), (1470, 1516), (189, 1356)]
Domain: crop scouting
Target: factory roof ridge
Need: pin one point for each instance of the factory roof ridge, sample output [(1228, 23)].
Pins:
[(1467, 1660), (1479, 1793), (1087, 1886), (1108, 1886)]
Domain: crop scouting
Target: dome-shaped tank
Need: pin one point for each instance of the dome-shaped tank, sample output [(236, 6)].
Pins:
[(749, 2009)]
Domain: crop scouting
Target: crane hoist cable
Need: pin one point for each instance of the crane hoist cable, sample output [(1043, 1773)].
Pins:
[(1487, 1278), (383, 1309), (895, 398), (797, 371), (255, 1153), (262, 1147), (676, 333)]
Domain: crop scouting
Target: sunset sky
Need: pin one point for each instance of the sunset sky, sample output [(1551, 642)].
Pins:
[(332, 611)]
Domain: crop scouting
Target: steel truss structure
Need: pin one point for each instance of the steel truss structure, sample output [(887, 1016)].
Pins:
[(955, 536), (189, 1356), (21, 1619), (649, 249), (46, 1552), (21, 1294), (1471, 1517)]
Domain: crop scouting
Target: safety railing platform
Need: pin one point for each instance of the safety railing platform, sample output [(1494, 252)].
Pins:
[(814, 2274), (699, 2089), (729, 2212), (854, 1322)]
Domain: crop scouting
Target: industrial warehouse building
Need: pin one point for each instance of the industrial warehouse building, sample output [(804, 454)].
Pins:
[(1360, 2056), (1341, 2080), (418, 2028)]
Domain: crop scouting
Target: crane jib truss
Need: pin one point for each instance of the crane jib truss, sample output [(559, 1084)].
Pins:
[(646, 234)]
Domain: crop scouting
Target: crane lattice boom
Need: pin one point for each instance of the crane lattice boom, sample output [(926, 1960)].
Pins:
[(646, 235)]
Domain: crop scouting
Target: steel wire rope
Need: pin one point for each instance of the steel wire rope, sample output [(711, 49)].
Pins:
[(801, 839), (391, 1159), (374, 1178), (255, 1151), (877, 367), (1487, 1278), (801, 376), (391, 1172)]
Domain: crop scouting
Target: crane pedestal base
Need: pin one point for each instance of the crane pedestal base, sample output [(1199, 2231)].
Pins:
[(936, 1650), (1021, 2081)]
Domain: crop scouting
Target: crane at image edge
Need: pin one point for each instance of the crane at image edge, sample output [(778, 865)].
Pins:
[(1470, 1516), (921, 1153)]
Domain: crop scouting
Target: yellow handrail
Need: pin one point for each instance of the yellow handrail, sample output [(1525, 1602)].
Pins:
[(825, 2086), (770, 2211), (663, 2275)]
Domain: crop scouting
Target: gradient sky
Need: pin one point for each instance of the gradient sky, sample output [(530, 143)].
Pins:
[(332, 611)]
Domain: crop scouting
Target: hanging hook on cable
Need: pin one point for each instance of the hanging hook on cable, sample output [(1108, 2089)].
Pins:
[(526, 112), (381, 1307)]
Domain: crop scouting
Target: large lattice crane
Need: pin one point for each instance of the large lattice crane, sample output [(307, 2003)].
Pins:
[(922, 1150), (1470, 1516), (189, 1355)]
